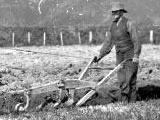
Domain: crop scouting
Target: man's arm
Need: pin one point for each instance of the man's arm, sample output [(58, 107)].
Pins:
[(107, 46), (132, 28)]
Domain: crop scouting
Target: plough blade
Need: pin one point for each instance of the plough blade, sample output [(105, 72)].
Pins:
[(60, 85), (71, 85)]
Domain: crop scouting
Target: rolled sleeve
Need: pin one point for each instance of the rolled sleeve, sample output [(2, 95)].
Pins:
[(132, 28)]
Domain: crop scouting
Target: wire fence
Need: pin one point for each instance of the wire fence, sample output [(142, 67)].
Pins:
[(38, 36), (70, 35)]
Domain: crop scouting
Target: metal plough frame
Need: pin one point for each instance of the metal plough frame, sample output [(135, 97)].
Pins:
[(59, 85), (71, 85)]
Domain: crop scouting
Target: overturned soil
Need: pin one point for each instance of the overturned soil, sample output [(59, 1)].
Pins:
[(21, 70)]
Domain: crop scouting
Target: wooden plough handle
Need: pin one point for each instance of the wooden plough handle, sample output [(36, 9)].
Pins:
[(105, 79), (72, 91), (86, 68)]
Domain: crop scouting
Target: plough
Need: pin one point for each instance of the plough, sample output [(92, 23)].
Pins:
[(70, 85)]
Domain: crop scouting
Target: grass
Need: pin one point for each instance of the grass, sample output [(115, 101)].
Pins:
[(148, 110), (143, 110)]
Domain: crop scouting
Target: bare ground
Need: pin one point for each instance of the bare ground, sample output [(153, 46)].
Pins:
[(25, 68)]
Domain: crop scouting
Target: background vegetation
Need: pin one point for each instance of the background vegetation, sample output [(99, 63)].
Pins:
[(70, 16), (70, 35)]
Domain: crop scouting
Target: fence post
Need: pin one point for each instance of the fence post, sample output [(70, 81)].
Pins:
[(29, 37), (106, 34), (61, 35), (151, 37), (13, 40), (90, 37), (44, 38), (79, 38)]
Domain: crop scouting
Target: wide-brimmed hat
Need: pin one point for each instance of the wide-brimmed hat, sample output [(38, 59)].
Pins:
[(116, 6)]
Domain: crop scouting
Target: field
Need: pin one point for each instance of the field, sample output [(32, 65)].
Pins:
[(50, 63)]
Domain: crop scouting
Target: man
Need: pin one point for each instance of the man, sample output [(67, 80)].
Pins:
[(123, 34)]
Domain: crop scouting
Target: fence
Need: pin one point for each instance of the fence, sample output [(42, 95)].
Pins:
[(150, 35), (39, 36)]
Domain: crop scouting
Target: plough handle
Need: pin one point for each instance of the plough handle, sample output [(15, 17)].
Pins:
[(72, 91), (86, 68), (116, 69), (105, 79)]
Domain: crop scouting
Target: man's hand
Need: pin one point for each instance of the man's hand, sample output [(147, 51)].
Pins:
[(97, 59), (135, 60)]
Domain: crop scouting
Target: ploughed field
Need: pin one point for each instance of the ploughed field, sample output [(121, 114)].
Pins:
[(20, 69)]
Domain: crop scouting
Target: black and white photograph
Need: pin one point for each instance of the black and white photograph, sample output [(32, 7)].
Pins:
[(79, 60)]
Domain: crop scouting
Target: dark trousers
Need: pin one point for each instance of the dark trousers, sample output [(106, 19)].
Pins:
[(127, 77)]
